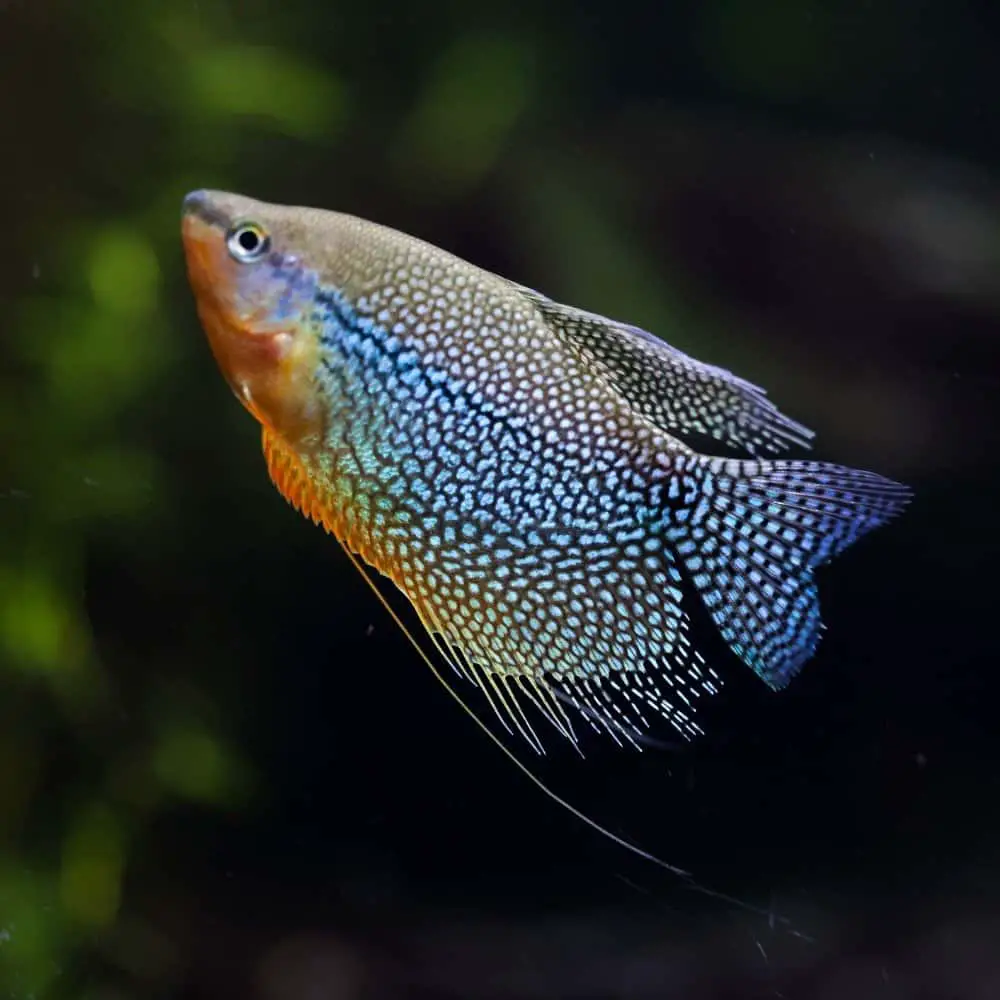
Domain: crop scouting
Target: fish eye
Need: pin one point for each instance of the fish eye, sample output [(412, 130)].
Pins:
[(247, 241)]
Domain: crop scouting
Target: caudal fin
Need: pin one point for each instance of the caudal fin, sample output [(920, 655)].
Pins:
[(752, 539)]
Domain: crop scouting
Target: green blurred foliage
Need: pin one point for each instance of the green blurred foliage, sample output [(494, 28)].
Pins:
[(475, 93), (92, 342)]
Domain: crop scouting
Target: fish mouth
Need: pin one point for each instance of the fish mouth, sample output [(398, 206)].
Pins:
[(210, 273), (267, 363), (199, 205), (203, 228)]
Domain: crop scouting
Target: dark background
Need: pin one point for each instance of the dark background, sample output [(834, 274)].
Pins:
[(223, 773)]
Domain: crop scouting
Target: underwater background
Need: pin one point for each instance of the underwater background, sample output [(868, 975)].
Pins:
[(225, 773)]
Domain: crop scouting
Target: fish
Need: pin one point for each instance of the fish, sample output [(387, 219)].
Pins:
[(521, 470), (525, 473)]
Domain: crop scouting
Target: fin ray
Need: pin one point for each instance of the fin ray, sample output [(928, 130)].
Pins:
[(678, 393), (759, 531), (772, 917), (592, 622)]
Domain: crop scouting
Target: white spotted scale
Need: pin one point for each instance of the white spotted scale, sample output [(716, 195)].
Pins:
[(518, 467)]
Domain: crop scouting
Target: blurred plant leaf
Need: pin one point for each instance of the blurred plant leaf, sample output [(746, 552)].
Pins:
[(475, 94), (294, 96)]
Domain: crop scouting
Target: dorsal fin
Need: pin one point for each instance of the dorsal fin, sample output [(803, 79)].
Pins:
[(675, 391)]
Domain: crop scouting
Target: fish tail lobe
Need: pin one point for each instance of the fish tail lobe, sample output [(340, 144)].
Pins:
[(752, 538)]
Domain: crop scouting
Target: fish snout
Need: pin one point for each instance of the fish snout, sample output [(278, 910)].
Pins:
[(194, 198), (201, 205)]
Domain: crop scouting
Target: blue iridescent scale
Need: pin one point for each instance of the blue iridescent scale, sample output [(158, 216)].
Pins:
[(518, 468)]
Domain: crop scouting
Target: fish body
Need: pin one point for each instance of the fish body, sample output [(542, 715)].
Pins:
[(518, 468)]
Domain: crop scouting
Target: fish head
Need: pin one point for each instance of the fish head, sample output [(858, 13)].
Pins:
[(250, 265)]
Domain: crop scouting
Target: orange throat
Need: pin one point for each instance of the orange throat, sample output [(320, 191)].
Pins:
[(272, 369), (270, 366), (295, 483)]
